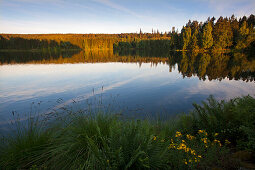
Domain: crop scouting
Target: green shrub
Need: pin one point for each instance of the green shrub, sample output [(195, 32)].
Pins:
[(233, 120), (199, 140)]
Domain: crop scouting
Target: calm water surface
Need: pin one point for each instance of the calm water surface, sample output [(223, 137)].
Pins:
[(132, 83)]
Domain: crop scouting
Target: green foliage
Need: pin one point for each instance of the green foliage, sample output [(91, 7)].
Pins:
[(25, 147), (245, 37), (20, 43), (151, 45), (198, 140), (186, 37), (233, 120), (223, 35), (207, 38), (194, 41)]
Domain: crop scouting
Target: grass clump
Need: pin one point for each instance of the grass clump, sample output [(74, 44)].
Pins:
[(200, 140), (25, 147)]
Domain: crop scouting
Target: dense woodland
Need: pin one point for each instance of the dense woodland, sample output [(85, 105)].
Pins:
[(224, 33), (26, 43)]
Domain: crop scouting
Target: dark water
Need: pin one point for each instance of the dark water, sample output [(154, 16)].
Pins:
[(134, 82)]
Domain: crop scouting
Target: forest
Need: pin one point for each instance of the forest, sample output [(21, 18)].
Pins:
[(221, 34)]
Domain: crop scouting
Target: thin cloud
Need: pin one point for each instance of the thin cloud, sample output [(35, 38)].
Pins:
[(228, 7), (118, 7), (99, 16)]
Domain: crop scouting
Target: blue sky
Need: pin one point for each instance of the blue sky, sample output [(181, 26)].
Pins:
[(111, 16)]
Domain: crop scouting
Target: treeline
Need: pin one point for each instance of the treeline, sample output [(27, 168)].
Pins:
[(21, 43), (152, 45), (83, 41), (225, 33)]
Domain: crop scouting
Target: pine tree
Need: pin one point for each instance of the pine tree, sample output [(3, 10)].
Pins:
[(223, 35), (242, 36), (207, 39), (194, 41), (186, 37)]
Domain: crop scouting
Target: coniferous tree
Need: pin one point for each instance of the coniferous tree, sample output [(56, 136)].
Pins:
[(186, 37), (194, 41), (235, 28), (223, 34), (251, 21), (207, 38), (244, 37)]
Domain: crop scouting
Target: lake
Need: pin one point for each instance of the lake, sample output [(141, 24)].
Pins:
[(135, 83)]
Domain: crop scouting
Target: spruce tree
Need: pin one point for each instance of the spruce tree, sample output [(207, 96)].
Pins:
[(194, 41), (186, 37), (242, 36), (207, 39)]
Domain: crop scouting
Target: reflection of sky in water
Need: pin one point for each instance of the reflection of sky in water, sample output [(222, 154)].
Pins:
[(154, 89)]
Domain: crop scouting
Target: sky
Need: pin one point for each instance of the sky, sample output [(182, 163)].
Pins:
[(112, 16)]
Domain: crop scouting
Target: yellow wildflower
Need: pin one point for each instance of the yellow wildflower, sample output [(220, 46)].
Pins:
[(178, 134), (185, 162), (181, 146), (171, 146), (154, 138), (204, 140), (217, 141), (190, 137), (192, 152), (187, 149), (227, 142), (216, 134), (202, 131), (199, 156)]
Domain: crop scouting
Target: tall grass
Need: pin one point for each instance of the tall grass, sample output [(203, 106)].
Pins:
[(198, 140), (233, 120)]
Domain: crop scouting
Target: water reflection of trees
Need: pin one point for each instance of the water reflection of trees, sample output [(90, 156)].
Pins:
[(237, 66), (218, 66)]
